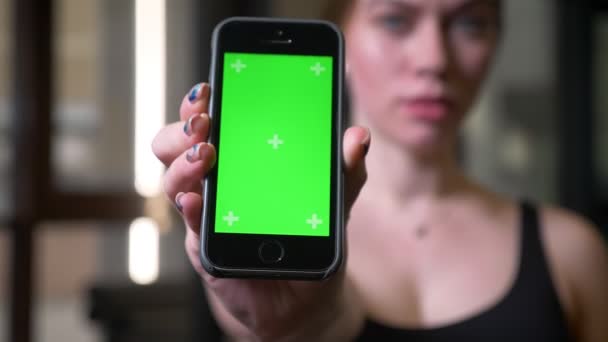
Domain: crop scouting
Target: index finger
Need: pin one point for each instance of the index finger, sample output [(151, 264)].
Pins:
[(195, 102)]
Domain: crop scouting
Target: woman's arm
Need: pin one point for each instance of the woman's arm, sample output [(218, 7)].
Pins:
[(579, 259)]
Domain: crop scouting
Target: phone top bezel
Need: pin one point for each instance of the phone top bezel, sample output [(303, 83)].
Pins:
[(251, 35)]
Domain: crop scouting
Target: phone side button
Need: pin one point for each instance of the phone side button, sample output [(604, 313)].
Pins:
[(271, 251)]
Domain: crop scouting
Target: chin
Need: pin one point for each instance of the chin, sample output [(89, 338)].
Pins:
[(423, 140)]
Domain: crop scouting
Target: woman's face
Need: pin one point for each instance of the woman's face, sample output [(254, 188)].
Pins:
[(415, 66)]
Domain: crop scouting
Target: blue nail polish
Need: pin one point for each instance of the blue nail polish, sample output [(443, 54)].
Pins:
[(188, 126), (178, 204), (194, 92), (192, 155)]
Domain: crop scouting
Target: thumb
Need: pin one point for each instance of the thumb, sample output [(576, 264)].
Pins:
[(356, 143)]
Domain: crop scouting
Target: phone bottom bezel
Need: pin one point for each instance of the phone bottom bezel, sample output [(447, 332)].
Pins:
[(237, 255)]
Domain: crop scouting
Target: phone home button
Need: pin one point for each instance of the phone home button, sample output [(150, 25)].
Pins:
[(271, 251)]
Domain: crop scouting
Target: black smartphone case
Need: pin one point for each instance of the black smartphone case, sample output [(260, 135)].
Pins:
[(340, 241)]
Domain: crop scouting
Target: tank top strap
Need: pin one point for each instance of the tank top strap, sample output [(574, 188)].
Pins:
[(534, 271)]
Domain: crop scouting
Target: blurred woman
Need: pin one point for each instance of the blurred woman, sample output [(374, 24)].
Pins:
[(433, 256)]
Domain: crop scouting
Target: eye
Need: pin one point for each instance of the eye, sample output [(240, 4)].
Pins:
[(471, 25), (394, 23)]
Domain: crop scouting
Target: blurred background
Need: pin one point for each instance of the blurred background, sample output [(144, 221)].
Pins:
[(89, 250)]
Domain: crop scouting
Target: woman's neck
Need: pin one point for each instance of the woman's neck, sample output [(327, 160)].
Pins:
[(402, 176)]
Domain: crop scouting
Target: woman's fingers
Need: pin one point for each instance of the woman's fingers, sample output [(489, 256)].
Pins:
[(192, 244), (175, 138), (196, 101), (187, 170), (189, 205), (356, 144)]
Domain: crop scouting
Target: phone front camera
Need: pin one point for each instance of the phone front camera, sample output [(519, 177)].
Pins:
[(280, 33)]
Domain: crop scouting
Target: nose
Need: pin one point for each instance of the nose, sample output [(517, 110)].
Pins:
[(430, 55)]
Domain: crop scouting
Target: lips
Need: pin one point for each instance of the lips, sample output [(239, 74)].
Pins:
[(432, 108)]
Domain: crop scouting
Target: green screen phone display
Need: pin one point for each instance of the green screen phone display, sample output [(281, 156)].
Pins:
[(274, 163)]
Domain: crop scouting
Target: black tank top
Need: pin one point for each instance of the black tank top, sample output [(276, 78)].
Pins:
[(530, 311)]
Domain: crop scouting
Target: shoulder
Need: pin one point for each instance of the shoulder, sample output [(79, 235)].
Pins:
[(570, 230), (574, 242), (578, 259)]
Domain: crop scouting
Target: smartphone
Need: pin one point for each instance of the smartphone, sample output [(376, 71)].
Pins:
[(273, 202)]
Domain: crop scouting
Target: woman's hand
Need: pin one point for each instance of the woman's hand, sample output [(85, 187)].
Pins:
[(246, 308)]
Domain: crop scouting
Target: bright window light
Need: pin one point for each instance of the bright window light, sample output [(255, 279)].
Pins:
[(150, 84), (143, 251)]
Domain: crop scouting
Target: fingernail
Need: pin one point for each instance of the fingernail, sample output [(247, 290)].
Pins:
[(207, 154), (205, 90), (199, 123), (194, 93), (193, 154), (198, 152), (188, 125), (178, 203), (194, 124)]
